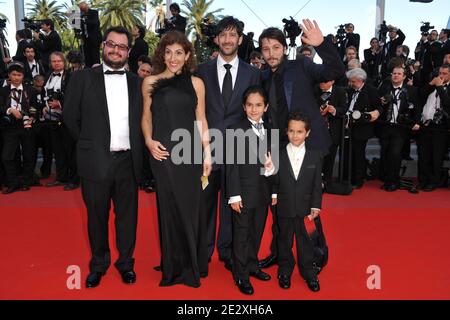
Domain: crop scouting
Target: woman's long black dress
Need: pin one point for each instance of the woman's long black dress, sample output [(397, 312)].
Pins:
[(178, 186)]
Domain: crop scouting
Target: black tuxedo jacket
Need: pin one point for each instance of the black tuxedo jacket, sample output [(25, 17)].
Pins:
[(28, 100), (390, 48), (300, 77), (296, 197), (48, 44), (86, 116), (20, 51), (368, 100), (444, 95), (28, 77), (409, 102), (218, 117), (248, 180), (64, 83)]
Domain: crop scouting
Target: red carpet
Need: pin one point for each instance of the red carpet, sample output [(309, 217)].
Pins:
[(44, 231)]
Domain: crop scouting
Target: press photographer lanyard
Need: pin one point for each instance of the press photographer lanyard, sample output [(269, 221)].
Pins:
[(396, 105), (17, 100), (353, 102)]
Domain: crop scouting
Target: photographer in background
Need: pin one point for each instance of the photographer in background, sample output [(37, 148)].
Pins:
[(91, 35), (396, 38), (18, 113), (372, 58), (21, 38), (364, 109), (400, 115), (444, 38), (63, 144), (433, 135), (176, 22), (32, 67), (346, 38), (139, 48), (46, 42)]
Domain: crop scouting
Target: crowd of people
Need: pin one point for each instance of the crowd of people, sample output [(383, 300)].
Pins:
[(110, 128)]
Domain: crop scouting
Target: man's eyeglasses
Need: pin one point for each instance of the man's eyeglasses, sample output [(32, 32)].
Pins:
[(111, 44)]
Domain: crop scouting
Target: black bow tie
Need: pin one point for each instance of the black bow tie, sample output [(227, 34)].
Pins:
[(56, 74), (33, 67), (110, 72), (16, 90)]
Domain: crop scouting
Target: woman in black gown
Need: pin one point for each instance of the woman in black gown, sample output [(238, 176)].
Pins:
[(174, 102)]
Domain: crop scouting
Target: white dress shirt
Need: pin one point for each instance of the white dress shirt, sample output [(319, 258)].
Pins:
[(354, 99), (296, 156), (54, 82), (116, 87), (221, 71), (14, 103), (35, 71), (396, 104)]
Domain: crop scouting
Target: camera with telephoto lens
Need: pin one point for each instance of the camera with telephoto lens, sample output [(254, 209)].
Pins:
[(31, 24), (291, 30), (341, 33), (324, 100), (425, 28), (2, 23), (359, 117), (54, 95), (439, 117)]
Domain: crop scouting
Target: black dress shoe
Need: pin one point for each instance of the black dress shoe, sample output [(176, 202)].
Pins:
[(70, 187), (284, 281), (129, 277), (93, 279), (313, 285), (268, 262), (261, 275), (245, 286), (157, 268), (149, 189), (358, 185), (25, 188), (429, 188), (54, 184), (390, 187), (10, 189)]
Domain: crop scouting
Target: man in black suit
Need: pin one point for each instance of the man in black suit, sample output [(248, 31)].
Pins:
[(351, 40), (139, 48), (226, 78), (298, 185), (21, 38), (32, 66), (396, 38), (333, 106), (291, 87), (248, 186), (400, 115), (103, 113), (444, 37), (433, 135), (176, 22), (46, 42), (364, 109), (17, 111), (91, 34)]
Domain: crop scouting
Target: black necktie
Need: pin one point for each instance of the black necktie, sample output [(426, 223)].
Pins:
[(227, 87), (56, 74), (112, 72), (33, 68)]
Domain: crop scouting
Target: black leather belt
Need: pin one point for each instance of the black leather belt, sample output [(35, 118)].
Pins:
[(118, 153)]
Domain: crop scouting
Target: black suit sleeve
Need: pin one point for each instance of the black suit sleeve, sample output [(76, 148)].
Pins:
[(233, 183), (332, 67), (72, 107), (341, 104), (3, 100), (316, 197), (353, 40)]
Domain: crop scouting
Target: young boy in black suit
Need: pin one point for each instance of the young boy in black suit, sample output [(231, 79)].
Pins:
[(248, 187), (298, 185)]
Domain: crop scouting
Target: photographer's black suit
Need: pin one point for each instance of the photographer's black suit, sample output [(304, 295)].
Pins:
[(338, 99), (390, 49), (296, 197), (105, 175), (46, 45), (393, 136), (221, 117), (368, 100), (28, 77), (15, 136), (20, 51), (139, 48), (248, 181), (432, 139), (179, 23), (92, 37)]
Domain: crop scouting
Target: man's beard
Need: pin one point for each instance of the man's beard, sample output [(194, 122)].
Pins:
[(233, 52), (113, 64)]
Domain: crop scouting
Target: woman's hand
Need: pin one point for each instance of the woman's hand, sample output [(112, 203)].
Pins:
[(207, 164), (158, 151)]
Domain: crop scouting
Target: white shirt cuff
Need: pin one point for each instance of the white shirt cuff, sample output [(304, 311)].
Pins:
[(274, 196), (269, 173), (8, 111), (234, 199), (316, 209), (334, 113)]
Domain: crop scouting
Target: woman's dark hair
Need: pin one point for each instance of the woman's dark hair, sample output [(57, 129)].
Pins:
[(256, 89), (170, 38), (120, 30), (274, 34), (298, 116), (230, 23)]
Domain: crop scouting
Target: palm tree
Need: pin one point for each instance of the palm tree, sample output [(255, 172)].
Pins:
[(197, 11), (126, 13), (158, 7), (47, 9)]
